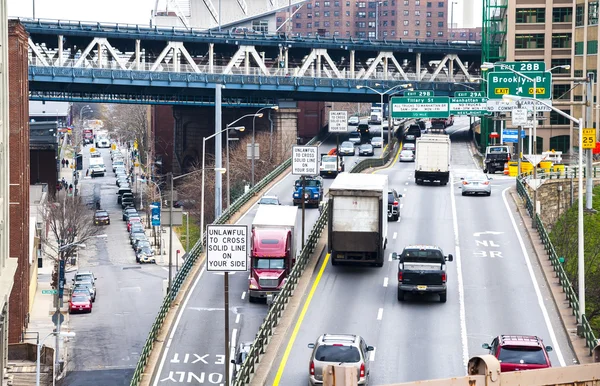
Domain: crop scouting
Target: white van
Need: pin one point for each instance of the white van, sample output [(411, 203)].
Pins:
[(97, 162)]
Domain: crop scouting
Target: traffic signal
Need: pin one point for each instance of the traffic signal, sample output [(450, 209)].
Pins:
[(79, 161)]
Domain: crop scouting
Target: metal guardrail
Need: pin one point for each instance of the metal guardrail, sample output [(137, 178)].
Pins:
[(571, 296), (192, 257)]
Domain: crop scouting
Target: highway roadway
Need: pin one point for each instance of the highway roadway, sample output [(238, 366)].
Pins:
[(195, 350), (494, 286)]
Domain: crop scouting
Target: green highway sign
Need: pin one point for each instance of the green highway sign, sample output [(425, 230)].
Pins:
[(420, 93), (522, 66), (468, 106), (49, 292), (420, 107), (506, 82), (469, 94)]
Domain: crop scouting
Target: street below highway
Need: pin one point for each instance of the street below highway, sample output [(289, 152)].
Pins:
[(494, 286), (109, 340)]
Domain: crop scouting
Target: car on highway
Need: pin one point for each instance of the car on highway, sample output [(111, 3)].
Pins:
[(409, 146), (79, 303), (101, 217), (476, 183), (366, 149), (347, 148), (519, 352), (377, 142), (406, 156), (269, 200), (354, 137), (241, 352), (393, 208), (335, 349), (87, 284), (353, 120), (130, 210), (145, 255)]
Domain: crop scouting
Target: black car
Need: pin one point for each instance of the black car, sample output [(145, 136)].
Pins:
[(141, 243), (393, 205), (412, 133), (101, 217), (127, 201), (136, 235), (128, 211)]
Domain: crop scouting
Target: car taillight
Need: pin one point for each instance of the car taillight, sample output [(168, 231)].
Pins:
[(486, 182), (399, 275), (443, 277), (465, 182), (312, 368), (362, 370), (395, 202)]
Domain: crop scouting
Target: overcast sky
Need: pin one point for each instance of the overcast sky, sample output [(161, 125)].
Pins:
[(116, 11)]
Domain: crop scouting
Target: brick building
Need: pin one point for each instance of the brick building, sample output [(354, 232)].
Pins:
[(392, 19), (19, 177)]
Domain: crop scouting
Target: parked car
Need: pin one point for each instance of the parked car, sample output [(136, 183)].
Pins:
[(80, 303), (89, 285), (127, 201), (141, 243), (101, 217), (84, 276), (132, 219), (136, 227), (269, 200), (127, 195), (145, 255), (136, 234), (476, 183), (333, 349), (82, 291), (366, 149), (130, 210), (519, 352)]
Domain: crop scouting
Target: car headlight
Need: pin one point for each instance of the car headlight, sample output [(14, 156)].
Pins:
[(296, 195), (315, 195), (253, 286)]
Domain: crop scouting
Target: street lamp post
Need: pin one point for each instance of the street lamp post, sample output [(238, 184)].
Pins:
[(61, 334), (580, 230), (253, 129)]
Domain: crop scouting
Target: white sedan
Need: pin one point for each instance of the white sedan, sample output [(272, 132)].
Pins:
[(407, 156)]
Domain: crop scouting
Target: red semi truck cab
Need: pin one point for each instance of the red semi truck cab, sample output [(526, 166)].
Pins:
[(273, 250)]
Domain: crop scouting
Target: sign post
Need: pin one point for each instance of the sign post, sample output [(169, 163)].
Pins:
[(338, 123), (305, 162), (226, 251)]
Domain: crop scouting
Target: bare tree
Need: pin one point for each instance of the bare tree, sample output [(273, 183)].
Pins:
[(128, 123)]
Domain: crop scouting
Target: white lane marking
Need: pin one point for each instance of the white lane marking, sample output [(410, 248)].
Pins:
[(536, 287), (243, 295), (380, 314), (395, 235), (166, 268), (168, 345), (385, 281), (406, 183), (372, 355), (404, 195), (401, 206), (237, 318), (232, 345), (459, 279), (390, 258)]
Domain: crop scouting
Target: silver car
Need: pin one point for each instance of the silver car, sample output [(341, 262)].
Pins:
[(476, 183), (269, 200), (347, 148), (407, 156), (377, 142), (334, 349), (366, 149), (354, 137)]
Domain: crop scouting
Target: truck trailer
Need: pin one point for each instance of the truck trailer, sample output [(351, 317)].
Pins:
[(358, 219), (273, 249), (432, 162)]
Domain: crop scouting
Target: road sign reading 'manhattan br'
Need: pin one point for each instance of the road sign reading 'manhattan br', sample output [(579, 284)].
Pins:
[(468, 106), (226, 248), (501, 83), (420, 107)]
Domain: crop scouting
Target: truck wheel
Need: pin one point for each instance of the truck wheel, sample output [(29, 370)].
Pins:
[(418, 181), (492, 171), (396, 217), (443, 297), (251, 299), (379, 264), (485, 170), (400, 295)]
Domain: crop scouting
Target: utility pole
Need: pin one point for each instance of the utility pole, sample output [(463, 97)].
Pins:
[(218, 153), (589, 122)]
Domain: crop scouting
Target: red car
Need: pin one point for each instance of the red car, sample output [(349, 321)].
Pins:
[(80, 303), (519, 352), (130, 220)]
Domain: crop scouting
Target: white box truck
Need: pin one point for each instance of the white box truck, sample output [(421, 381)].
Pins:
[(273, 249), (358, 219), (432, 162)]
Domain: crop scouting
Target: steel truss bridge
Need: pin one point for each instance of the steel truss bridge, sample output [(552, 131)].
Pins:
[(72, 60)]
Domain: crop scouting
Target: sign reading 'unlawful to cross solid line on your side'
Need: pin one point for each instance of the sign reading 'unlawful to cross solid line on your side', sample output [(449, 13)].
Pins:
[(226, 248)]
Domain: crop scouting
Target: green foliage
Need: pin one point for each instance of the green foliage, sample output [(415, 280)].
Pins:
[(181, 231), (564, 239)]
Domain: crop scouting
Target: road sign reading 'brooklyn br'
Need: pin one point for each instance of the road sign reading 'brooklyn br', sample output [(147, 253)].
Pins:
[(501, 83), (226, 248), (420, 107)]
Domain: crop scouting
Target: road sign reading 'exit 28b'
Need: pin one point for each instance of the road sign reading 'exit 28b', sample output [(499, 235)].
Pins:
[(305, 160), (226, 248), (420, 107), (589, 138)]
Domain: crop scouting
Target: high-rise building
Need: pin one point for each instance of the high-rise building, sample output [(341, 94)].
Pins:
[(392, 19)]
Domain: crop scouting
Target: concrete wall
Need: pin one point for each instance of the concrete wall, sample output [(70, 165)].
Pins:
[(19, 177)]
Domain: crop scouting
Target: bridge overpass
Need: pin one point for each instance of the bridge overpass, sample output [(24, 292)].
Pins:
[(74, 60)]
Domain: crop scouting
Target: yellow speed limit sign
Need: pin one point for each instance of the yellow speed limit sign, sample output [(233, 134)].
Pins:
[(589, 138)]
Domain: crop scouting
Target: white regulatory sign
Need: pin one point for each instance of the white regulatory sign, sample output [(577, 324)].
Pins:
[(305, 160), (501, 105), (519, 117), (226, 248), (338, 121)]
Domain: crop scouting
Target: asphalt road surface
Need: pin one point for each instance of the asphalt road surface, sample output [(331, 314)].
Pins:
[(107, 346), (195, 353), (494, 286)]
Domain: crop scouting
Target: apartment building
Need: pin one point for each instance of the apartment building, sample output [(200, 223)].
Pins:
[(392, 19), (542, 30)]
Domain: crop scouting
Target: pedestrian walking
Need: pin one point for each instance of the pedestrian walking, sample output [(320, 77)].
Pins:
[(67, 163), (62, 162), (87, 172), (70, 188)]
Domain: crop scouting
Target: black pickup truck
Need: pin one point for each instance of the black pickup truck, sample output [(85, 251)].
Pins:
[(495, 158), (422, 270)]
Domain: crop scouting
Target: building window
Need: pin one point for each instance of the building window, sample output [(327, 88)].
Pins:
[(317, 14), (592, 47), (309, 15), (372, 14), (560, 62), (393, 23), (361, 4), (361, 34), (361, 24), (326, 3), (385, 33), (428, 33), (405, 33), (557, 119), (316, 4), (317, 24), (561, 91), (336, 33), (261, 26), (325, 24), (371, 35), (347, 34), (530, 15), (578, 49), (441, 4), (579, 15), (309, 25), (347, 24), (336, 4), (384, 13), (405, 2), (298, 15), (280, 19), (428, 14), (309, 6), (393, 33), (418, 3), (347, 3), (385, 23), (561, 40), (405, 22), (325, 13), (562, 15), (347, 13), (440, 24), (336, 13), (440, 33), (298, 25), (428, 24), (336, 23), (529, 41), (440, 14), (592, 13), (417, 22), (405, 13), (417, 33), (361, 15), (371, 24), (417, 13), (578, 73)]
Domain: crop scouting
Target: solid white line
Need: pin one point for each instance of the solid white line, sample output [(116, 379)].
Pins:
[(459, 279), (395, 235), (401, 206), (536, 287), (380, 314), (406, 183), (166, 268), (232, 345), (243, 295), (237, 318), (390, 258), (385, 281), (372, 356), (183, 306)]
